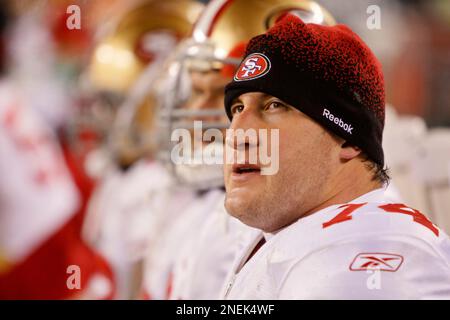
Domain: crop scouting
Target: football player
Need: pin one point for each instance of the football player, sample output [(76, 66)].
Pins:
[(329, 231), (122, 218), (42, 255)]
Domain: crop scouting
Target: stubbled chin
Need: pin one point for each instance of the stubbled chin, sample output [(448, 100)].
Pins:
[(236, 205), (232, 203)]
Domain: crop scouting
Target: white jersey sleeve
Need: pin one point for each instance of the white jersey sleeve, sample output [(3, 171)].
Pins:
[(392, 268)]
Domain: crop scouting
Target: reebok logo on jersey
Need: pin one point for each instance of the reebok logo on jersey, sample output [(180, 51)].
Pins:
[(347, 127), (376, 261)]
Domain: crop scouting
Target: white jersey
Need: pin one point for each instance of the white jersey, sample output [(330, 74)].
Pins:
[(366, 249), (174, 240), (127, 214), (200, 269)]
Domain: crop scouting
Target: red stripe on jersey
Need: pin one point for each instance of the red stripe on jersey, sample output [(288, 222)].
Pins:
[(416, 214), (344, 215)]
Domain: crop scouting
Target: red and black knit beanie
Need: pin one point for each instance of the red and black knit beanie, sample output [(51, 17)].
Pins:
[(326, 72)]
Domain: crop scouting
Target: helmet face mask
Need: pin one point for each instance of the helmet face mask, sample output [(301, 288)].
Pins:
[(193, 92)]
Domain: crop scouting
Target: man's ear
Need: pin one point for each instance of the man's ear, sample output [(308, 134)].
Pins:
[(349, 151)]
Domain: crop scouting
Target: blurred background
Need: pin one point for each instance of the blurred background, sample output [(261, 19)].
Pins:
[(68, 68)]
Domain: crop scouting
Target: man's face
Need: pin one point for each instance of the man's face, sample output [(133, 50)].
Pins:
[(205, 105), (207, 93), (308, 155)]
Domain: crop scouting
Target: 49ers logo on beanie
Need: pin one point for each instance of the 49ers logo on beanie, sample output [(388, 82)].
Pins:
[(254, 66)]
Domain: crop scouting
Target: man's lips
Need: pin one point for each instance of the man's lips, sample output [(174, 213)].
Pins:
[(246, 168), (243, 172)]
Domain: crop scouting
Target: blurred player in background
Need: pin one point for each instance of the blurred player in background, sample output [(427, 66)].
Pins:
[(133, 187), (40, 238), (196, 251)]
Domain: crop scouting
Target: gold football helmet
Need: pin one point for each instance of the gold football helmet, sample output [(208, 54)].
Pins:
[(121, 56), (125, 63), (210, 56)]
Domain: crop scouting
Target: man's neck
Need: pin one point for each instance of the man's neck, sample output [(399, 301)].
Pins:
[(347, 185)]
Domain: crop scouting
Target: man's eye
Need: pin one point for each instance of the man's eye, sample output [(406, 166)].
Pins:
[(237, 109), (275, 105)]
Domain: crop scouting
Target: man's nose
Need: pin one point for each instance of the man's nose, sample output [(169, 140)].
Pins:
[(244, 130), (248, 118)]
